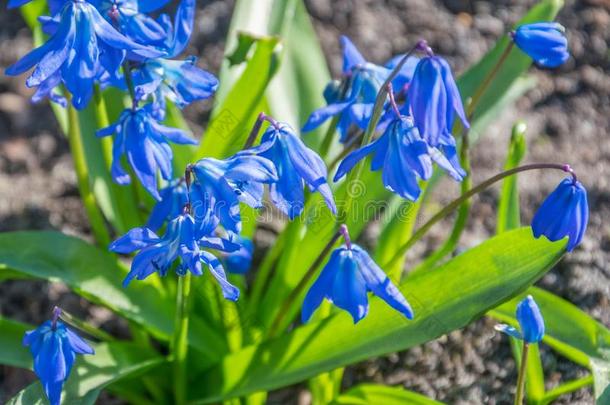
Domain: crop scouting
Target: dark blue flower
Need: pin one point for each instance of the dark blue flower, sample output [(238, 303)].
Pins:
[(565, 212), (82, 47), (183, 239), (240, 261), (296, 165), (544, 42), (220, 185), (363, 82), (403, 156), (434, 99), (530, 321), (345, 280), (145, 143), (173, 199), (179, 81), (54, 348)]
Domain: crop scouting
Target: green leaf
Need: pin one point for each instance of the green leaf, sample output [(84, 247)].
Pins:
[(12, 352), (97, 276), (508, 207), (472, 283), (234, 117), (365, 394)]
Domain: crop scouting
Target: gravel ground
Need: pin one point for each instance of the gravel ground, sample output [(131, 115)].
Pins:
[(567, 116)]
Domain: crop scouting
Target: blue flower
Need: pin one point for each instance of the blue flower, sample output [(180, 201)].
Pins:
[(145, 143), (173, 199), (179, 81), (345, 280), (530, 321), (434, 99), (183, 239), (81, 48), (220, 185), (240, 261), (544, 42), (363, 82), (54, 348), (404, 156), (565, 212), (296, 166)]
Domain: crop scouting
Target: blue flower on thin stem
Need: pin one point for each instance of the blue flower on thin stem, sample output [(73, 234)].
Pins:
[(54, 348), (404, 157), (183, 239), (434, 100), (145, 143), (345, 280), (530, 321), (220, 185), (355, 102), (565, 212), (544, 42), (79, 51), (296, 165)]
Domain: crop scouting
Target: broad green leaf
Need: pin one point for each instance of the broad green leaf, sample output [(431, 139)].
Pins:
[(508, 207), (472, 283), (12, 352), (365, 394), (97, 276), (234, 117)]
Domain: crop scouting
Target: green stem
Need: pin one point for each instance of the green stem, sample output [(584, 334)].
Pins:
[(458, 201), (476, 98), (85, 327), (180, 338), (296, 292), (129, 81), (522, 373), (77, 148)]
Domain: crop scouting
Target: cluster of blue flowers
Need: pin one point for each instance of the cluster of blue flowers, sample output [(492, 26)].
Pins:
[(118, 43)]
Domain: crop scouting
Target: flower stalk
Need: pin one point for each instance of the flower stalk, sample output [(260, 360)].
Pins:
[(180, 338), (458, 201), (82, 325), (522, 374)]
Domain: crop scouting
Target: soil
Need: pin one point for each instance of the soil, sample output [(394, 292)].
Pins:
[(567, 114)]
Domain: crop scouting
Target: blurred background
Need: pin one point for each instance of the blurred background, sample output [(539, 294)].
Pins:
[(568, 119)]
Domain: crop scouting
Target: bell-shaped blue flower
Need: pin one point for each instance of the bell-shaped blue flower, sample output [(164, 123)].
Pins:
[(240, 261), (565, 212), (297, 166), (345, 280), (404, 157), (220, 185), (434, 99), (363, 82), (544, 42), (81, 48), (530, 320), (183, 239), (179, 81), (173, 199), (145, 143), (54, 348)]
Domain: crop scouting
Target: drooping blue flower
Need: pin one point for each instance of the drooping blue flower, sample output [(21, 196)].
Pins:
[(54, 348), (183, 239), (404, 157), (145, 143), (434, 99), (173, 199), (297, 166), (544, 42), (220, 185), (345, 280), (363, 82), (565, 212), (240, 261), (179, 81), (530, 321), (81, 48)]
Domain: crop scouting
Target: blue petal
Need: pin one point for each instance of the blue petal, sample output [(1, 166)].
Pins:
[(229, 291), (320, 115), (530, 320), (135, 239), (322, 287), (351, 56), (349, 288), (509, 330)]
